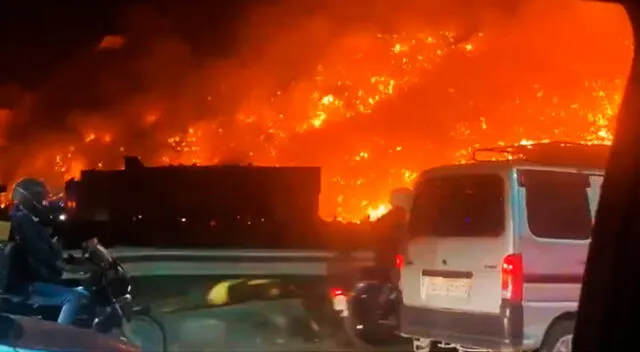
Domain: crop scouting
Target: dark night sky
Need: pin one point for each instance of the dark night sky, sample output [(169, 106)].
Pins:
[(37, 36)]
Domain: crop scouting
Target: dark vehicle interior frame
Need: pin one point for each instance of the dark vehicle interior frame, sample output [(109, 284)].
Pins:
[(610, 299)]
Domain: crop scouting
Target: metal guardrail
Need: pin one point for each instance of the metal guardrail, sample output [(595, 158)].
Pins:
[(154, 252), (183, 262)]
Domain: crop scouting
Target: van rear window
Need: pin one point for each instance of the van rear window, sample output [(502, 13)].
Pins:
[(470, 205), (558, 205)]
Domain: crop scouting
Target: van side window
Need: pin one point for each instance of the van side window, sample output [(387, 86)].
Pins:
[(557, 204), (469, 205)]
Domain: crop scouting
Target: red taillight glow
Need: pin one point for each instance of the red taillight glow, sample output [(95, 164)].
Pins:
[(335, 292), (399, 261), (512, 281)]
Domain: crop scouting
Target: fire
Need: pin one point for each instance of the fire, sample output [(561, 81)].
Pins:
[(344, 116), (376, 212)]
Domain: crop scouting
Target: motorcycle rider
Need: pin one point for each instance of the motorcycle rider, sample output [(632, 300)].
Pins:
[(389, 230), (36, 264)]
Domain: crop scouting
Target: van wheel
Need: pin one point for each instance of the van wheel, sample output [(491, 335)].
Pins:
[(559, 338)]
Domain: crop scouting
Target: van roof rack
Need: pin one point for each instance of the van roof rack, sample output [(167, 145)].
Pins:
[(554, 153)]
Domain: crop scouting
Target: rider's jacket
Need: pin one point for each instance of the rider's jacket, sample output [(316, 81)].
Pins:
[(388, 230), (34, 256)]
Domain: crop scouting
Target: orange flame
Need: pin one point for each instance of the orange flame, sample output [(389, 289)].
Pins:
[(318, 120)]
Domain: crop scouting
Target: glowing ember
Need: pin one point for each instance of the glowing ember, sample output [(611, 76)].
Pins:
[(359, 117)]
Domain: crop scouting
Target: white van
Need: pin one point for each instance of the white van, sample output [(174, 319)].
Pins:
[(496, 255)]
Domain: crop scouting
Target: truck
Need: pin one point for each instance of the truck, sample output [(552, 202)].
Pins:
[(233, 206)]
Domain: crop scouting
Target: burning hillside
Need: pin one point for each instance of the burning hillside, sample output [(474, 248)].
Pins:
[(371, 107)]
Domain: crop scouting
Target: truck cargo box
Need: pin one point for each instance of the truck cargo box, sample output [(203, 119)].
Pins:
[(197, 205)]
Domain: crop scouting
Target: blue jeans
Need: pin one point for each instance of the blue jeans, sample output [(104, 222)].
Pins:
[(70, 299)]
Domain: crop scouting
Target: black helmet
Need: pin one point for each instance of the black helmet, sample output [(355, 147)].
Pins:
[(33, 196)]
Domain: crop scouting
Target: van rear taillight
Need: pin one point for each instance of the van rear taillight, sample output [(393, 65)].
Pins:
[(512, 281), (399, 261), (335, 292)]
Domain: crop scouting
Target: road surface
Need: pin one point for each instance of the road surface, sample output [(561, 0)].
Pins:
[(253, 326)]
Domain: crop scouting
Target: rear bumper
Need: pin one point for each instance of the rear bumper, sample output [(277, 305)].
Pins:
[(499, 332)]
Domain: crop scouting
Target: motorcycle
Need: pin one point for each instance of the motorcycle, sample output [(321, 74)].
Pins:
[(109, 309), (369, 314)]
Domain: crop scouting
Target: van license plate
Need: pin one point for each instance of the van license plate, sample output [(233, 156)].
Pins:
[(440, 286), (340, 305)]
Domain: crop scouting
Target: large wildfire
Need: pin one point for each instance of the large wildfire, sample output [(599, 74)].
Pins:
[(371, 107)]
